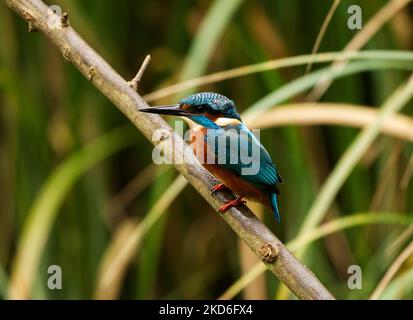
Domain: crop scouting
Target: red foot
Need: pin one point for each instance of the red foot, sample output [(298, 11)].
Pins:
[(219, 186), (230, 204)]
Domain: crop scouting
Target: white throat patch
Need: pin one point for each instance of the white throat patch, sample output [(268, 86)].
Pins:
[(222, 122)]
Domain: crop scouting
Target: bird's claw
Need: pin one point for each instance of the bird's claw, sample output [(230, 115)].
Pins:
[(233, 203), (218, 187)]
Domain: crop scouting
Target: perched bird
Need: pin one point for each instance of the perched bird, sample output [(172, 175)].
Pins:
[(216, 116)]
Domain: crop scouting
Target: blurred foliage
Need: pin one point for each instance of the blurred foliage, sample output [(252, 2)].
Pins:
[(49, 113)]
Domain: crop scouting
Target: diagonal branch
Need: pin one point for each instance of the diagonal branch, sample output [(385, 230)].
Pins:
[(262, 242)]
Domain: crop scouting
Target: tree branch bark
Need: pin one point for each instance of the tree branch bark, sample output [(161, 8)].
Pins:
[(262, 242)]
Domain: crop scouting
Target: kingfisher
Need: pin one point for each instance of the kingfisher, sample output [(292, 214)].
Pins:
[(215, 116)]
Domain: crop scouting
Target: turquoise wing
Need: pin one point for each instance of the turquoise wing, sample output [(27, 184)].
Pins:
[(239, 140)]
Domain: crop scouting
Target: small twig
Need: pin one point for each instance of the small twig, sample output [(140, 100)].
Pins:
[(135, 81)]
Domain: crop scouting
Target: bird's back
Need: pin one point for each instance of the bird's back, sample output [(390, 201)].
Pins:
[(234, 148), (244, 155)]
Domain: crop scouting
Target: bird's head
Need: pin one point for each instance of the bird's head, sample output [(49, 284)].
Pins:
[(204, 108)]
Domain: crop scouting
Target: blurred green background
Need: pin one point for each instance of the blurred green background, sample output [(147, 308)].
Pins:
[(76, 176)]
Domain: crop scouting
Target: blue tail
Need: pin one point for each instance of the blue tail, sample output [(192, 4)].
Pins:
[(274, 206)]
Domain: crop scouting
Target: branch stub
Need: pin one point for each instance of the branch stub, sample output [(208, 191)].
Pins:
[(268, 252)]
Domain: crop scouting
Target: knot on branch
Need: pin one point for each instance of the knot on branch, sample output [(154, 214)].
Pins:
[(91, 73), (66, 54), (30, 19), (64, 19), (268, 252), (27, 16), (160, 135)]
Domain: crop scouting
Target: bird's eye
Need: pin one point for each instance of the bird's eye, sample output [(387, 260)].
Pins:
[(199, 108)]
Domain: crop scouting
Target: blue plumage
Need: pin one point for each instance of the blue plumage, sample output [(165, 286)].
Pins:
[(257, 177), (268, 175), (214, 103), (274, 206)]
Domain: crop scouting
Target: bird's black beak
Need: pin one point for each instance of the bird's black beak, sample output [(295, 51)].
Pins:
[(172, 110)]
